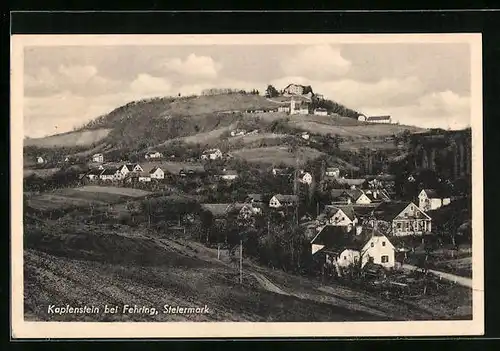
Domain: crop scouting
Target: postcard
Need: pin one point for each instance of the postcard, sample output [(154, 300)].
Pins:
[(225, 186)]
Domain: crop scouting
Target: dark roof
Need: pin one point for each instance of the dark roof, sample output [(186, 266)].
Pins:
[(95, 172), (154, 169), (109, 171), (217, 209), (378, 118), (348, 210), (130, 167), (364, 211), (255, 197), (351, 181), (354, 193), (387, 211), (338, 238), (432, 193), (287, 198), (332, 169)]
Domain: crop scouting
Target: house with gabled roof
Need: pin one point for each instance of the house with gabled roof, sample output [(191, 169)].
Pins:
[(110, 174), (404, 217), (304, 177), (379, 119), (228, 174), (344, 247), (431, 199), (211, 154), (153, 155), (340, 215), (332, 172), (349, 196), (279, 201)]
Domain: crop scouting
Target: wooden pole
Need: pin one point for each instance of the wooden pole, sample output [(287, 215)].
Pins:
[(241, 261), (218, 251)]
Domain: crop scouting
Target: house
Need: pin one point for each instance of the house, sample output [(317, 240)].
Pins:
[(362, 118), (345, 247), (228, 174), (379, 119), (238, 132), (129, 168), (98, 158), (246, 210), (405, 218), (285, 109), (110, 174), (332, 172), (305, 135), (429, 199), (299, 107), (353, 183), (144, 177), (375, 195), (280, 172), (349, 196), (40, 160), (211, 154), (153, 155), (305, 177), (340, 215), (279, 201), (254, 198), (94, 174), (156, 173), (320, 112), (293, 89)]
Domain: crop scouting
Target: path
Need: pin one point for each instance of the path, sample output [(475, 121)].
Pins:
[(467, 282), (267, 284)]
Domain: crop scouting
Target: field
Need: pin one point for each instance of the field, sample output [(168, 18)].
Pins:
[(277, 155), (82, 196), (360, 143), (42, 173), (81, 138)]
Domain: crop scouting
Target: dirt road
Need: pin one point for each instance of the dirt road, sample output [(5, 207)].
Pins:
[(467, 282)]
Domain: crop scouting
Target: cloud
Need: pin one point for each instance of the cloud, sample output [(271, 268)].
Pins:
[(194, 66), (79, 79), (319, 62), (145, 85)]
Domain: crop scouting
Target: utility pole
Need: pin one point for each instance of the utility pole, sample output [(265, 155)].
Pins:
[(241, 261)]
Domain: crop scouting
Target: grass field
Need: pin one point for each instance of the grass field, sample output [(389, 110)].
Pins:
[(81, 138), (278, 154), (42, 173), (111, 190)]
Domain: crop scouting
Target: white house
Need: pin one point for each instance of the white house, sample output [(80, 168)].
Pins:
[(362, 118), (332, 172), (110, 174), (320, 112), (153, 155), (98, 158), (279, 200), (238, 132), (40, 160), (298, 107), (211, 154), (428, 200), (340, 215), (379, 119), (305, 135), (404, 218), (305, 177), (156, 173), (128, 168), (350, 196), (344, 247), (293, 89), (285, 109), (228, 174)]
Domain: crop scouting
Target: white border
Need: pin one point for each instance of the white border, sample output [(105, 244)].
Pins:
[(22, 329)]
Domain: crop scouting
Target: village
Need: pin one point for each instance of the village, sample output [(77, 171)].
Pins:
[(362, 231)]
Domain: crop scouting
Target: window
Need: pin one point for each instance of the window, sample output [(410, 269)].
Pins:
[(383, 243), (372, 244), (345, 257), (384, 259)]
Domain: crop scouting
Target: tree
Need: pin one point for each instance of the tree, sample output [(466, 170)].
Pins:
[(271, 92)]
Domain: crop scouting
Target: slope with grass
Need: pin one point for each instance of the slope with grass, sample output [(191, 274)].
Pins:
[(278, 154), (72, 139)]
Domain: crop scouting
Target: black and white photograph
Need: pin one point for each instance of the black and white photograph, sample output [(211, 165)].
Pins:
[(270, 182)]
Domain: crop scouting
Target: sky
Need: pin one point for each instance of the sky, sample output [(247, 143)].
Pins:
[(422, 84)]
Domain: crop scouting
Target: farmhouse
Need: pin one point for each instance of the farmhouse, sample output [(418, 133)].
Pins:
[(228, 174), (332, 172), (320, 112), (405, 218), (340, 215), (345, 247), (153, 155), (128, 168), (429, 199), (279, 201), (305, 177), (211, 154), (379, 119), (98, 158)]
